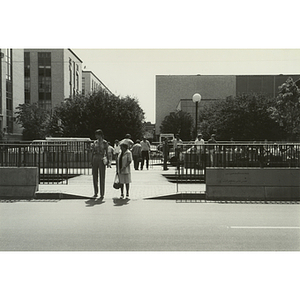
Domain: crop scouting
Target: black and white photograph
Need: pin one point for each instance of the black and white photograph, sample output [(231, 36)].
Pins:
[(150, 167)]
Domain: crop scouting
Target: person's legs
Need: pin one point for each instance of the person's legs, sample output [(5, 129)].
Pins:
[(122, 190), (147, 160), (143, 160), (127, 190), (102, 170), (135, 162), (95, 169)]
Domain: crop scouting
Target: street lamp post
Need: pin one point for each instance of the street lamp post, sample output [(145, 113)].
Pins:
[(196, 99)]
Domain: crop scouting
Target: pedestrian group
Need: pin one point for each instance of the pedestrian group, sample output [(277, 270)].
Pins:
[(123, 152)]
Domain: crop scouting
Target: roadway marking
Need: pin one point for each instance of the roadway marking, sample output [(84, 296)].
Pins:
[(264, 227)]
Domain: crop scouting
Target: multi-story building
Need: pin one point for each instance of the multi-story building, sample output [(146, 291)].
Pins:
[(91, 83), (175, 92), (51, 76), (43, 76), (11, 90)]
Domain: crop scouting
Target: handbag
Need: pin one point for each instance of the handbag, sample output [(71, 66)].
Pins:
[(105, 161), (117, 183)]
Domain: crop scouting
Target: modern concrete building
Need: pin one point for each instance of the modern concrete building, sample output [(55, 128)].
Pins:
[(11, 90), (91, 83), (175, 92), (51, 75)]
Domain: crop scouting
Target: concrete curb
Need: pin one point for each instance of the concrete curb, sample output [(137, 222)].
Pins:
[(58, 195)]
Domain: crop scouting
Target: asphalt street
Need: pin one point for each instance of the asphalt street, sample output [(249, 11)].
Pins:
[(148, 225)]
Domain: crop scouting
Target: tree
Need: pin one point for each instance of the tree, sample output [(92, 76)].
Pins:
[(34, 121), (244, 117), (286, 109), (178, 122), (116, 116)]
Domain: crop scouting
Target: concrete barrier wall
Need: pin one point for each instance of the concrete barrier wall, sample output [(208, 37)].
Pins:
[(252, 184), (18, 183)]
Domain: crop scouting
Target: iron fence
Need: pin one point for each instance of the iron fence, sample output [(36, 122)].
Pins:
[(56, 161), (192, 160)]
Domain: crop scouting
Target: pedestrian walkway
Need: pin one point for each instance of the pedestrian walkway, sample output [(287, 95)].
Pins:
[(145, 184)]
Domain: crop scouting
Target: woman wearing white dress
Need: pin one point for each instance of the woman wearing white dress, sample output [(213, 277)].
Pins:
[(123, 169)]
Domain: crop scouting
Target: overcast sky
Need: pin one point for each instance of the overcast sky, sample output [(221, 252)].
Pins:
[(132, 71)]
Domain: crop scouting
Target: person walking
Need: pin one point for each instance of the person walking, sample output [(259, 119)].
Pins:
[(199, 144), (100, 159), (177, 142), (117, 149), (136, 154), (212, 149), (145, 152), (123, 169)]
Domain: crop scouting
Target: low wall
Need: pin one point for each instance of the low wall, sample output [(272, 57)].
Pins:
[(252, 184), (18, 182)]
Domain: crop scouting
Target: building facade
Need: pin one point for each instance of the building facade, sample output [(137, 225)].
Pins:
[(51, 76), (175, 92), (43, 76), (91, 83), (11, 91)]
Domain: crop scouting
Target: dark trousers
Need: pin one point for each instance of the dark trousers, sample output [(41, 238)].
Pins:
[(145, 156), (136, 161), (98, 168)]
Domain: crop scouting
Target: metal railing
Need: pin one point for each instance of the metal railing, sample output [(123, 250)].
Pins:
[(56, 161), (192, 160)]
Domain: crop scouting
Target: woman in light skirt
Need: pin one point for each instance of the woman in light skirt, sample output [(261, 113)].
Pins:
[(123, 169)]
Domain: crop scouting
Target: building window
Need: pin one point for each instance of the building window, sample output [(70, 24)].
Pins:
[(27, 76), (70, 75), (83, 85), (74, 80), (44, 79), (77, 78), (9, 91), (8, 61)]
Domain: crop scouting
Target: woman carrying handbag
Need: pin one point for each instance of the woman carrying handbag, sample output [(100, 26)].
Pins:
[(123, 169)]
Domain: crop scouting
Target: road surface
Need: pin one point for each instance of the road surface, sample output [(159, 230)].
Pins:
[(148, 225)]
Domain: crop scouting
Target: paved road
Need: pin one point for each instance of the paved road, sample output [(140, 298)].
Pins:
[(148, 225)]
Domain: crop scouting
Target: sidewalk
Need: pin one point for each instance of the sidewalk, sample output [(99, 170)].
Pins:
[(145, 184)]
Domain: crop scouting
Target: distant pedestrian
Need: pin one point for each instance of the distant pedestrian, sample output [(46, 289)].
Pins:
[(176, 144), (100, 159), (212, 149), (166, 151), (127, 140), (199, 144), (110, 152), (136, 154), (123, 169), (145, 153), (117, 149)]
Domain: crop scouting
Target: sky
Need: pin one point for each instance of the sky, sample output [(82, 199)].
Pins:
[(132, 71)]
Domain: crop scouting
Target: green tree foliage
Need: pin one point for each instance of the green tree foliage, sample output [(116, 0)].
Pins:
[(245, 117), (178, 122), (286, 109), (34, 121), (116, 116)]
